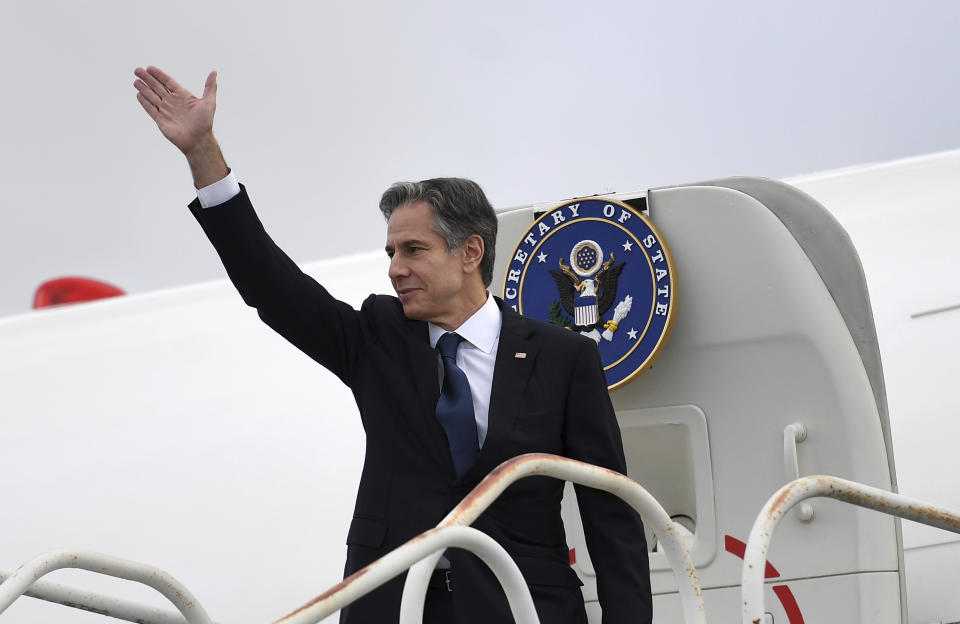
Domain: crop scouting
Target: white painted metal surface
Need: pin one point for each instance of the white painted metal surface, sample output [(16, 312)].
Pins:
[(129, 411), (793, 434), (903, 218), (421, 553), (668, 532), (792, 494), (95, 602), (174, 591), (426, 548), (390, 565), (759, 343)]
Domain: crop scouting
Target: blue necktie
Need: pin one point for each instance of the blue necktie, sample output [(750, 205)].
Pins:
[(455, 407)]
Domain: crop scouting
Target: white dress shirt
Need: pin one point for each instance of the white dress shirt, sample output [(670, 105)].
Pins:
[(476, 357), (219, 192)]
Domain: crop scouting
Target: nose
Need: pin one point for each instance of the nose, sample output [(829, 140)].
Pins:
[(398, 268)]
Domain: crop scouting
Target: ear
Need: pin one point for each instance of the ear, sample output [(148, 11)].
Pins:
[(472, 252)]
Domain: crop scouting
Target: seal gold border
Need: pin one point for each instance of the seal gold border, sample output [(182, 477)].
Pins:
[(668, 258)]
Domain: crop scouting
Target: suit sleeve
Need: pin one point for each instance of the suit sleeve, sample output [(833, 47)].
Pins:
[(613, 530), (288, 300)]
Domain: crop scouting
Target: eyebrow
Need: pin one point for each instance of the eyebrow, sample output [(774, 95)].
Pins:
[(407, 243)]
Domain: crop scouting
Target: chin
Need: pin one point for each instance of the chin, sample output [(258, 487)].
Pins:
[(414, 313)]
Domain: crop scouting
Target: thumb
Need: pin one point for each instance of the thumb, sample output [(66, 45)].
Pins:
[(210, 88)]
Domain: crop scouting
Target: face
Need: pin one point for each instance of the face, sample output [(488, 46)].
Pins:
[(431, 283)]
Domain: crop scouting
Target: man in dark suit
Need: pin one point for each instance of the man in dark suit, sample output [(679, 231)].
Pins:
[(449, 383)]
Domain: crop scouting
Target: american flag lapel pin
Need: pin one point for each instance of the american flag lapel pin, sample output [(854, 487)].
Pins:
[(520, 355)]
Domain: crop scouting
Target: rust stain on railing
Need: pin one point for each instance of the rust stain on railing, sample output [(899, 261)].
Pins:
[(506, 471), (532, 464), (815, 486), (347, 582)]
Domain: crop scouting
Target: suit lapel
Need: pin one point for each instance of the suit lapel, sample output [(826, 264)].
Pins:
[(423, 362), (424, 368), (516, 355)]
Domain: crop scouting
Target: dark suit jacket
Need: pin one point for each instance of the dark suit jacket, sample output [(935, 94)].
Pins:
[(553, 401)]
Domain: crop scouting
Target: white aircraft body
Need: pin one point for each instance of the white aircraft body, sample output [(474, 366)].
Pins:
[(174, 428)]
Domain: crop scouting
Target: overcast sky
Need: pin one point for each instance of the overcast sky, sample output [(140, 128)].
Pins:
[(324, 104)]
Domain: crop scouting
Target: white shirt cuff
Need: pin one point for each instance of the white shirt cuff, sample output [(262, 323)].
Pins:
[(219, 192)]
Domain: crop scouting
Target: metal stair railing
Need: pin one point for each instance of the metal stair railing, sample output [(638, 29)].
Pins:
[(25, 581), (420, 555), (533, 464), (399, 559), (27, 575), (792, 494)]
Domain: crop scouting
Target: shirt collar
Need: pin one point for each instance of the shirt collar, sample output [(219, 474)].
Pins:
[(481, 330)]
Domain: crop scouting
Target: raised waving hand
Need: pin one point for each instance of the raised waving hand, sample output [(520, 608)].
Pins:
[(184, 119)]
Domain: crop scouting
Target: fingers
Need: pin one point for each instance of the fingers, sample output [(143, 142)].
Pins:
[(155, 85), (151, 82), (168, 83), (147, 106), (150, 92), (145, 93), (182, 118)]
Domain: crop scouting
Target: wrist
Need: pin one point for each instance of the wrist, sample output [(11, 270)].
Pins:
[(206, 162)]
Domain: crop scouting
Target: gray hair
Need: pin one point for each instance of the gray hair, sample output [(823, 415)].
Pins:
[(460, 210)]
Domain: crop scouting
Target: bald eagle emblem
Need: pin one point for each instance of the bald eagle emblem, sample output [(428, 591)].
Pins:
[(564, 271), (588, 288)]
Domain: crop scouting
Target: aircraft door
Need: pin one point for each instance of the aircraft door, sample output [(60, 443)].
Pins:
[(772, 329)]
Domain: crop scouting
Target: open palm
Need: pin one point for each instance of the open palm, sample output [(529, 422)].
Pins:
[(186, 120)]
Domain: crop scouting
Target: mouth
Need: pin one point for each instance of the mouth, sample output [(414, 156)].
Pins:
[(406, 293)]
